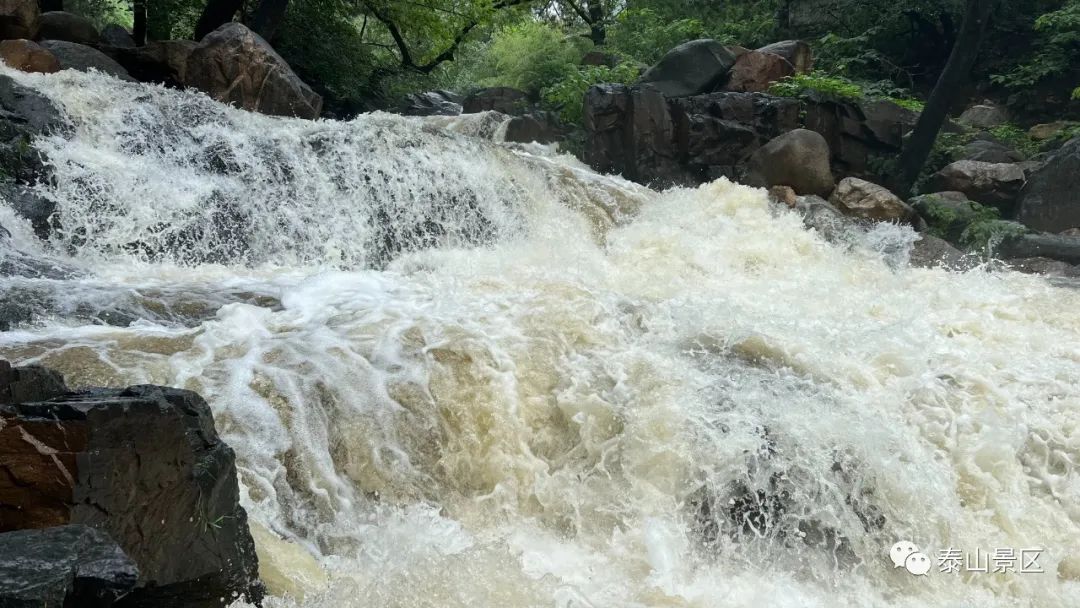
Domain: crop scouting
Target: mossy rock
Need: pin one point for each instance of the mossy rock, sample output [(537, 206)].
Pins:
[(949, 214)]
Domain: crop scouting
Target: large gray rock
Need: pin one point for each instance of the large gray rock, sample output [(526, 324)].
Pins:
[(865, 200), (989, 151), (143, 464), (75, 56), (984, 116), (1046, 267), (1040, 245), (235, 65), (857, 132), (63, 566), (61, 25), (1050, 200), (993, 184), (115, 35), (798, 158), (18, 19), (947, 214), (539, 127), (24, 115), (160, 61), (932, 252), (692, 68)]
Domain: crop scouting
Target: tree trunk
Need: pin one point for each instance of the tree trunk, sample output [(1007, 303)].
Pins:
[(215, 14), (933, 116), (268, 17), (138, 30), (597, 25)]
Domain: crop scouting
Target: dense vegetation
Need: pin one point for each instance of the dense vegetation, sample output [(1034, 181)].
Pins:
[(364, 54)]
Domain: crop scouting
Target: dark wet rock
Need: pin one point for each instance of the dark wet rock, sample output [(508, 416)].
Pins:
[(62, 25), (145, 465), (115, 35), (798, 53), (1050, 201), (1040, 245), (35, 208), (75, 56), (24, 114), (18, 19), (235, 65), (857, 132), (76, 566), (28, 56), (819, 215), (798, 158), (432, 103), (692, 68), (992, 184), (989, 151), (506, 100), (1045, 266), (948, 214), (540, 127), (162, 62), (642, 135), (932, 252)]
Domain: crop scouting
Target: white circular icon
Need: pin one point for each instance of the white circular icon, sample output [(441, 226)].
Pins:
[(900, 552), (917, 564)]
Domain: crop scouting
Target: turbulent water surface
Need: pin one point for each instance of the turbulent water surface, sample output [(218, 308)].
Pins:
[(460, 373)]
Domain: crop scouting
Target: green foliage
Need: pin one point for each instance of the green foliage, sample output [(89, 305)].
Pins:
[(646, 35), (820, 84), (566, 95), (528, 56), (1057, 44), (102, 12), (986, 233), (1017, 139)]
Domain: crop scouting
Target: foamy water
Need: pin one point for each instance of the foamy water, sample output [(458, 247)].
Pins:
[(457, 373)]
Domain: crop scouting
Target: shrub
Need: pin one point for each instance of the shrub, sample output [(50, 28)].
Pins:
[(567, 94), (529, 56), (646, 35)]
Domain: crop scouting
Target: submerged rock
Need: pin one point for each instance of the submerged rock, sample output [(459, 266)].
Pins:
[(75, 566), (143, 464), (432, 103)]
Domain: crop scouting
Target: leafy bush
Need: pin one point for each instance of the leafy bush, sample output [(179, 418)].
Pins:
[(987, 233), (1056, 47), (566, 95), (529, 55), (102, 12), (646, 35), (820, 84)]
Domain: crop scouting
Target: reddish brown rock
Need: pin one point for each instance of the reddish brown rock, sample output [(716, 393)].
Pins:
[(28, 56), (798, 53), (755, 72), (235, 65)]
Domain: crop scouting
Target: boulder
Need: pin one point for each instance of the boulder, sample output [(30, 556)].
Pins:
[(1050, 130), (984, 116), (432, 103), (63, 566), (61, 25), (798, 158), (117, 36), (756, 71), (75, 56), (1041, 245), (825, 219), (932, 252), (1045, 266), (993, 184), (26, 203), (1049, 200), (692, 68), (859, 131), (798, 53), (539, 127), (24, 115), (18, 19), (27, 56), (948, 214), (506, 100), (162, 62), (989, 151), (143, 464), (235, 65), (865, 200)]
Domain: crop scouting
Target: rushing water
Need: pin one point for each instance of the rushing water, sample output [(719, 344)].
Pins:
[(460, 373)]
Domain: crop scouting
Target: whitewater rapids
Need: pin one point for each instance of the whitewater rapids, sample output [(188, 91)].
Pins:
[(459, 373)]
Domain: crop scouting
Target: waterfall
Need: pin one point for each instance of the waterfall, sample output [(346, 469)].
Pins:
[(458, 372)]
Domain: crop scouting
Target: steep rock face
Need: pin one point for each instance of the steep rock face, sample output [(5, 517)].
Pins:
[(506, 100), (63, 566), (235, 65), (143, 464), (163, 62), (1050, 201), (646, 137)]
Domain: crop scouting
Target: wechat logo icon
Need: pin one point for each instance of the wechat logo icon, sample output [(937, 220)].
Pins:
[(906, 554)]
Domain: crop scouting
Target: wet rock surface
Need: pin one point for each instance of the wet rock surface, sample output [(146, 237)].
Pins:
[(143, 464)]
